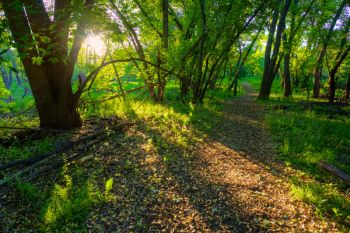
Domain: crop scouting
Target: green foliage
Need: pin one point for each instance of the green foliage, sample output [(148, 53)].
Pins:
[(29, 193), (325, 197), (67, 207), (4, 94), (255, 81), (22, 150)]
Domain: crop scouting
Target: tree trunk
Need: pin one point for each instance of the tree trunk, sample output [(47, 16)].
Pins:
[(264, 89), (184, 86), (318, 68), (331, 88), (341, 55), (286, 75), (56, 105), (288, 48), (287, 44), (347, 89), (199, 74), (165, 7), (332, 73)]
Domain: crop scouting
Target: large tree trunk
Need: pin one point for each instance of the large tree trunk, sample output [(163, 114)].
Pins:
[(318, 68), (269, 74), (56, 105), (50, 81), (199, 73), (264, 90)]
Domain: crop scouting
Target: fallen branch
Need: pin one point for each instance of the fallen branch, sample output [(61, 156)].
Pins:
[(335, 171), (60, 148), (34, 162), (117, 95), (38, 129)]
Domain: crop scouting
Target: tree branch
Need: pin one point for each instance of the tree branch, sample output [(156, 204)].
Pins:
[(61, 16), (78, 40), (144, 13), (104, 64)]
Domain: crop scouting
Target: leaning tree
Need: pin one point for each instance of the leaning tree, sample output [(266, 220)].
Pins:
[(48, 44)]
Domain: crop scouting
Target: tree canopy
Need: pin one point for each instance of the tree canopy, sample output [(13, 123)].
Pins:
[(201, 44)]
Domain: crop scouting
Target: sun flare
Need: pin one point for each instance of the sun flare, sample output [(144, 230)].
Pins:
[(95, 44)]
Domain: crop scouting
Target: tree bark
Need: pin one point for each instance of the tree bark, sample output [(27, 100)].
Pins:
[(165, 6), (269, 74), (264, 84), (199, 74), (286, 70)]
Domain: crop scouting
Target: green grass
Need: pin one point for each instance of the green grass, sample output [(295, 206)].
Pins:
[(22, 150), (61, 206), (255, 81), (306, 138)]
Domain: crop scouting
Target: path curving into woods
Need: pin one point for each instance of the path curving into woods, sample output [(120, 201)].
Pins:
[(231, 183), (252, 187)]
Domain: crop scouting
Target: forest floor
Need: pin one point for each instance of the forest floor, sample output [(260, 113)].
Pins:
[(148, 180)]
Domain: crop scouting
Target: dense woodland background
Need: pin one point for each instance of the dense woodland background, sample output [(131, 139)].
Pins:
[(73, 67)]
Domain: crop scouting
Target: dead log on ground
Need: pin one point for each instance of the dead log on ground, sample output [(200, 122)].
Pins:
[(100, 136), (335, 171)]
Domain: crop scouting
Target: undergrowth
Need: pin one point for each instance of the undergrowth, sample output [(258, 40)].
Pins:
[(307, 137)]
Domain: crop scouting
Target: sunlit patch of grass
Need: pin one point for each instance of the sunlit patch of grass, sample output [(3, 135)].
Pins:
[(306, 138), (68, 205), (255, 81), (324, 197)]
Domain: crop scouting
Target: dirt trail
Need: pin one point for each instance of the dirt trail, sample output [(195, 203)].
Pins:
[(231, 183), (242, 158)]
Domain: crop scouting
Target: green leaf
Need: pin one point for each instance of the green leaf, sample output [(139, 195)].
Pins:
[(37, 60)]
